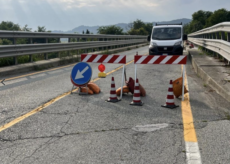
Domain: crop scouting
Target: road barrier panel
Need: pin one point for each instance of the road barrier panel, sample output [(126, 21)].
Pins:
[(164, 60), (107, 59)]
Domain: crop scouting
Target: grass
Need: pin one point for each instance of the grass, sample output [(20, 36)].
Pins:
[(227, 116), (205, 85)]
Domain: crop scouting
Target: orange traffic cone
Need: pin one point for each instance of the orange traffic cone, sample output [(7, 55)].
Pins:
[(170, 98), (113, 95), (136, 95)]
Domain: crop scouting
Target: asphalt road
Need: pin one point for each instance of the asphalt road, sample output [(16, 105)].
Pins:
[(87, 130)]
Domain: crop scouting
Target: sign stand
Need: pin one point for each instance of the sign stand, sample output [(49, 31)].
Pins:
[(122, 80), (183, 74)]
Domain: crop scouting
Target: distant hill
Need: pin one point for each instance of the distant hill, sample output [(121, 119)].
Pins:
[(124, 26)]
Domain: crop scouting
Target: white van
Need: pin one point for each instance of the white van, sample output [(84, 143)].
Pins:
[(167, 39)]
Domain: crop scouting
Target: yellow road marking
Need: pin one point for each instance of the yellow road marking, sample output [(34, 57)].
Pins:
[(34, 111), (189, 130)]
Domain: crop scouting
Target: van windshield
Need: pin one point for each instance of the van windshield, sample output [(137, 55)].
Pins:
[(166, 33)]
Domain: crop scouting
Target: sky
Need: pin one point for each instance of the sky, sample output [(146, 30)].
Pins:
[(67, 14)]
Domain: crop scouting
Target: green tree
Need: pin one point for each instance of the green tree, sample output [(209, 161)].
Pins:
[(5, 42), (83, 32), (25, 28), (201, 17), (10, 26), (138, 27), (140, 31), (41, 29), (112, 30), (87, 31), (218, 16)]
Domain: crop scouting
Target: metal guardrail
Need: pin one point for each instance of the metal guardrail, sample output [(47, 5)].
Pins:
[(221, 27), (218, 46), (22, 34), (18, 50), (30, 49), (215, 38)]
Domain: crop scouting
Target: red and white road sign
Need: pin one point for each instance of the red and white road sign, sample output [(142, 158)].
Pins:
[(160, 59), (114, 59)]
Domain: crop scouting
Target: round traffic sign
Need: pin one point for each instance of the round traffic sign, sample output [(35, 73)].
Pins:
[(81, 74)]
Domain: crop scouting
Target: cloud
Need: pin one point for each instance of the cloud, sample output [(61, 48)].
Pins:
[(68, 14), (68, 4)]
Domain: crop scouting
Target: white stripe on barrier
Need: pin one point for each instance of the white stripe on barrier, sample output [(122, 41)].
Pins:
[(97, 58), (166, 59), (178, 60), (113, 95), (153, 59), (113, 89), (119, 59), (170, 93), (141, 59), (87, 58), (136, 98), (107, 59), (170, 85), (112, 82), (169, 101), (136, 91)]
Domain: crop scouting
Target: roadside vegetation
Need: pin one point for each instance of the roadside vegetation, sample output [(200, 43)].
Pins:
[(204, 19)]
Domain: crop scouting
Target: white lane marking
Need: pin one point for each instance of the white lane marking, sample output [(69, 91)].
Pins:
[(149, 127), (53, 72), (15, 81), (67, 69), (192, 153), (35, 76)]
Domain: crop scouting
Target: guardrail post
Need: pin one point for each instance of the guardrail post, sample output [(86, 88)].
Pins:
[(218, 35), (222, 36), (228, 37), (68, 52), (15, 60), (45, 54), (30, 56), (14, 40)]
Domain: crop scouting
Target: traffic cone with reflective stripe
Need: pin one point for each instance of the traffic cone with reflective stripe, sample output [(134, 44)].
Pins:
[(113, 95), (137, 95), (170, 98)]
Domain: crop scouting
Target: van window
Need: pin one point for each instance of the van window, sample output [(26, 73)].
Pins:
[(166, 33)]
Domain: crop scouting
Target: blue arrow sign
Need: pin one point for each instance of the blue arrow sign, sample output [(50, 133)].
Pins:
[(81, 73)]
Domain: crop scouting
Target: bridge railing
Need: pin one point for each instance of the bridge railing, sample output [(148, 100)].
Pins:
[(103, 42), (215, 39)]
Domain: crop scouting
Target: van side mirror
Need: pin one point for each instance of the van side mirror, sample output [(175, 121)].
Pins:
[(148, 38), (185, 37)]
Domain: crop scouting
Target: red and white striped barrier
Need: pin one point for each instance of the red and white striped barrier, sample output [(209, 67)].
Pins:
[(114, 59), (160, 59)]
